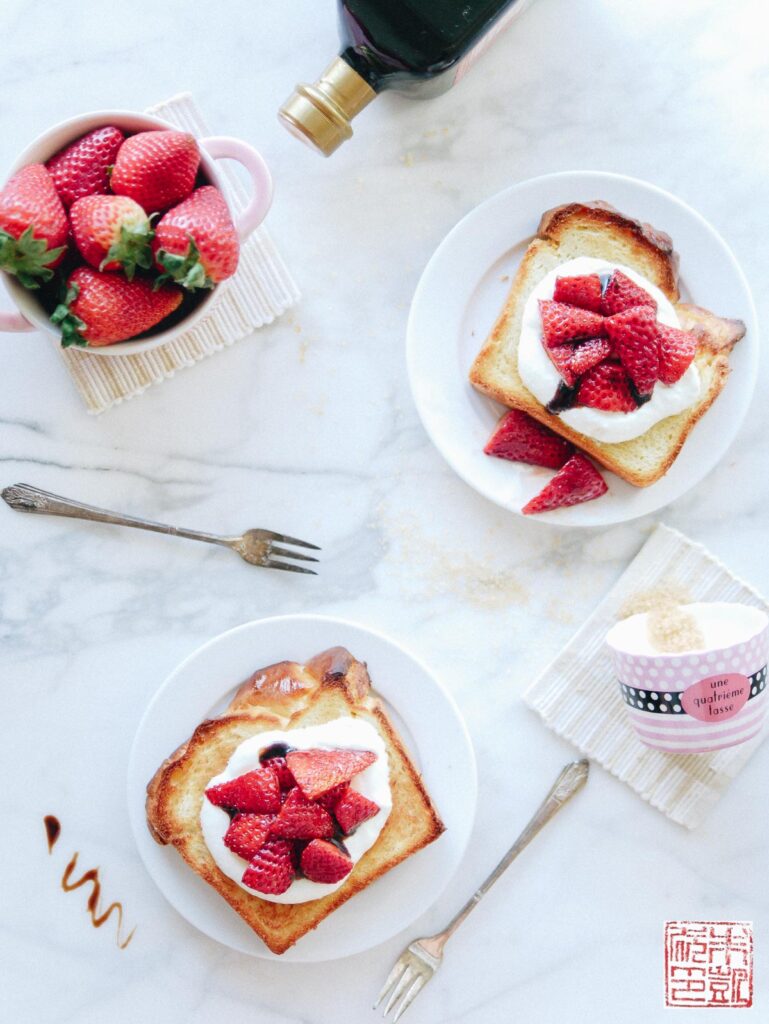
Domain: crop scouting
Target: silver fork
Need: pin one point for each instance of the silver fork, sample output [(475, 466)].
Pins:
[(257, 547), (419, 961)]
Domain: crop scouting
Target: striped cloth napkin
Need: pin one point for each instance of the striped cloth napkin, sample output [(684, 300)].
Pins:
[(578, 697), (259, 292)]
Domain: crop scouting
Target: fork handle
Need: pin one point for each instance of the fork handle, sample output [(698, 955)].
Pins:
[(571, 779), (24, 498)]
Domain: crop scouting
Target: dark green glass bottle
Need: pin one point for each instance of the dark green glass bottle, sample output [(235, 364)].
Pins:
[(417, 47)]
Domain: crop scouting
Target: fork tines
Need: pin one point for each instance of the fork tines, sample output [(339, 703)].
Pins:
[(274, 563), (404, 983), (284, 539)]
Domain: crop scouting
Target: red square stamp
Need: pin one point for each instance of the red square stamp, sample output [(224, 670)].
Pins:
[(708, 963)]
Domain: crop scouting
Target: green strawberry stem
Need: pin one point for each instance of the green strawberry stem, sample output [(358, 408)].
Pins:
[(187, 270), (132, 249), (69, 324), (28, 257)]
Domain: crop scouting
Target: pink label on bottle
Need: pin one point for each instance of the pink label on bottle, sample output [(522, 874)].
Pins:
[(716, 698)]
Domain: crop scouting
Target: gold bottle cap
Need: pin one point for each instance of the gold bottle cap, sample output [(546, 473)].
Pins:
[(320, 114)]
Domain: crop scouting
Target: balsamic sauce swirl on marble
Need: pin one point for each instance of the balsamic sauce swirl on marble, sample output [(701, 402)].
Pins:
[(89, 877)]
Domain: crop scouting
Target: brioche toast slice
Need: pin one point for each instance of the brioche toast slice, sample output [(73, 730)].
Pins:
[(596, 229), (286, 696)]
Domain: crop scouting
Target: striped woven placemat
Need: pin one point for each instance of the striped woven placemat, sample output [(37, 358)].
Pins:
[(260, 291), (578, 697)]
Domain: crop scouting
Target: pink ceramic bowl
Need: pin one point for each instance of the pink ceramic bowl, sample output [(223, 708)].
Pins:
[(701, 700), (30, 315)]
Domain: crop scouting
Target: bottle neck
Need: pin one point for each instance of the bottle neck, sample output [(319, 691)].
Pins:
[(320, 114)]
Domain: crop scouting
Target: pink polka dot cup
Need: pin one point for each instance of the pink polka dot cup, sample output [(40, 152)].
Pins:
[(700, 700)]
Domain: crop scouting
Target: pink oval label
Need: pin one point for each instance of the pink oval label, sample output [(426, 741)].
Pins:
[(716, 698)]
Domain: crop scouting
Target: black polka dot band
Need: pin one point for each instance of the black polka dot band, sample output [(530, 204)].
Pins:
[(668, 702)]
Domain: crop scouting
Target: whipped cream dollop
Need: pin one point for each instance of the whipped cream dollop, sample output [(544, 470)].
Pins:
[(541, 377), (374, 782), (720, 623)]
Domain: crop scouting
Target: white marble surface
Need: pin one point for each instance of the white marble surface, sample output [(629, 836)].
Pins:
[(309, 427)]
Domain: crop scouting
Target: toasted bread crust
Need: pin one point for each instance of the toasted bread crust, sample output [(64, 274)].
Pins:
[(604, 216), (598, 229), (331, 684)]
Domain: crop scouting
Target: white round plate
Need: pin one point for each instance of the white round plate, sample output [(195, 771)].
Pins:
[(462, 291), (430, 726)]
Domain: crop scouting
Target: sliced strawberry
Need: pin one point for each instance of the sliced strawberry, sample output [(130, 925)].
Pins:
[(677, 351), (323, 862), (588, 354), (328, 800), (562, 323), (278, 764), (352, 809), (572, 361), (607, 387), (257, 792), (318, 771), (300, 818), (622, 293), (248, 833), (583, 290), (561, 356), (520, 438), (576, 482), (634, 336), (272, 868)]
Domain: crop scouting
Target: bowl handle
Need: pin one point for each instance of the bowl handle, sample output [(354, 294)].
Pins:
[(14, 323), (222, 147)]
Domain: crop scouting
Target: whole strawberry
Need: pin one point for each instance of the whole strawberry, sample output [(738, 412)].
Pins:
[(82, 169), (100, 309), (112, 232), (196, 243), (156, 168), (33, 226)]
